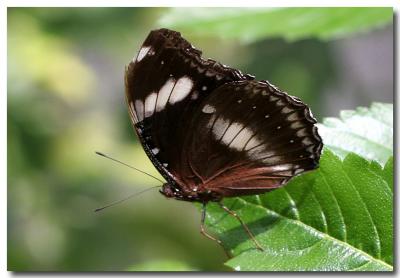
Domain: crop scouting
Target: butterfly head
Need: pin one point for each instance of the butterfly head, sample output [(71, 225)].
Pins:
[(191, 194), (168, 191)]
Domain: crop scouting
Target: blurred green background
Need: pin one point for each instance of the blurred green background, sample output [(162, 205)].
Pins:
[(66, 101)]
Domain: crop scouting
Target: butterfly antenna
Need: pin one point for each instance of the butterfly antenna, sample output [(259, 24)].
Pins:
[(126, 198), (141, 171)]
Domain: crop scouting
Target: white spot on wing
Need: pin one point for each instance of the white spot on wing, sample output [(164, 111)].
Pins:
[(139, 108), (273, 98), (280, 103), (293, 117), (306, 141), (282, 167), (252, 143), (149, 104), (219, 127), (237, 268), (155, 151), (231, 132), (296, 125), (208, 109), (240, 140), (164, 93), (181, 90), (143, 52), (211, 121), (302, 132)]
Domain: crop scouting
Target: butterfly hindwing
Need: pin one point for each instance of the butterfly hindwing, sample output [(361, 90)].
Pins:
[(248, 135)]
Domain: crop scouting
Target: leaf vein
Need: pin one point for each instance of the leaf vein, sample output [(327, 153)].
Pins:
[(366, 209), (337, 204), (325, 224), (358, 267), (293, 204), (305, 248)]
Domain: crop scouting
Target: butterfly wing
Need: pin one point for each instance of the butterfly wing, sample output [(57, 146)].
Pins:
[(165, 84), (248, 137)]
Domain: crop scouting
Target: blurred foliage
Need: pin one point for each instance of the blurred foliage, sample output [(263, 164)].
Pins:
[(161, 266), (66, 101), (252, 24)]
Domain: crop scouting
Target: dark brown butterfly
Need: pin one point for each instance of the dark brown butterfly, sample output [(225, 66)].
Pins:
[(211, 131)]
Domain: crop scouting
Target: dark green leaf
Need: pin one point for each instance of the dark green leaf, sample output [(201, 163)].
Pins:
[(251, 24), (336, 218)]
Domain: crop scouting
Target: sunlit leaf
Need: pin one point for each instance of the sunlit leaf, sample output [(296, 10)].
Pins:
[(337, 218), (252, 24), (365, 131)]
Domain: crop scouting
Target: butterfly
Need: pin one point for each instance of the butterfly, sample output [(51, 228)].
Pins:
[(212, 131)]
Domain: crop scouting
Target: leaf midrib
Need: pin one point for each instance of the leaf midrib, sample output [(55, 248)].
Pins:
[(323, 235)]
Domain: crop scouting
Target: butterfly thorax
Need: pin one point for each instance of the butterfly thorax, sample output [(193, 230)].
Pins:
[(190, 193)]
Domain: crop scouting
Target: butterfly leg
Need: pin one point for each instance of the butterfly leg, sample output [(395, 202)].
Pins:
[(204, 232), (234, 214)]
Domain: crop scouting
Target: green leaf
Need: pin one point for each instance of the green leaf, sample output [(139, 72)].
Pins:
[(336, 218), (365, 131), (386, 172), (161, 265), (252, 24)]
